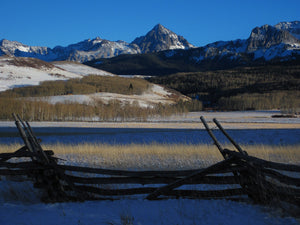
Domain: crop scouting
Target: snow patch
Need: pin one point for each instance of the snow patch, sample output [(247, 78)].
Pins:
[(15, 76), (153, 96), (181, 211), (81, 69)]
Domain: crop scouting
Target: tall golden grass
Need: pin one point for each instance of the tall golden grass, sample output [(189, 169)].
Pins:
[(158, 156)]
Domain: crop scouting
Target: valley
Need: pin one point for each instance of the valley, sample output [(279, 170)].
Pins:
[(111, 112)]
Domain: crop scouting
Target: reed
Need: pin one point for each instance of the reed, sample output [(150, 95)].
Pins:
[(158, 156)]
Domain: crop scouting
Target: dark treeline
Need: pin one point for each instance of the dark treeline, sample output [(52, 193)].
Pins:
[(257, 88), (287, 101)]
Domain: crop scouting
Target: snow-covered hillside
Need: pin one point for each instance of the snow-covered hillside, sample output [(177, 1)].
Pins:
[(80, 69), (18, 72), (21, 71), (154, 95)]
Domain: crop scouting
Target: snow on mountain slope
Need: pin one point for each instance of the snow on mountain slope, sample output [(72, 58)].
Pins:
[(20, 71), (161, 38), (80, 69), (14, 48), (278, 43), (265, 42), (292, 27)]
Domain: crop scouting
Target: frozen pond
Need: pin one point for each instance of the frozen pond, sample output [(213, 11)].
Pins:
[(71, 135)]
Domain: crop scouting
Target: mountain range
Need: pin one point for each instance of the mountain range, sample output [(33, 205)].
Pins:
[(163, 51), (266, 45), (158, 39)]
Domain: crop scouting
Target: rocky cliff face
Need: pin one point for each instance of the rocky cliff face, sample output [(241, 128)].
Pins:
[(159, 39), (268, 36), (292, 27)]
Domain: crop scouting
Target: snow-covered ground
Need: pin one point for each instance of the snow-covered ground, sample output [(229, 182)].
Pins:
[(18, 72), (20, 205), (141, 212), (12, 75), (154, 95), (80, 69)]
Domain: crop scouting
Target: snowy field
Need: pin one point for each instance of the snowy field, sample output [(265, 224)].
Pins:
[(20, 201), (141, 212), (19, 72)]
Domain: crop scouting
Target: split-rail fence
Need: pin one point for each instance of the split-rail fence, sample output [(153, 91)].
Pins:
[(238, 176)]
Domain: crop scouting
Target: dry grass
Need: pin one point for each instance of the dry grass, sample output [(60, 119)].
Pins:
[(158, 156)]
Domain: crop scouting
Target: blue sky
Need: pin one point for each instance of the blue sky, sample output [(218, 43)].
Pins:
[(64, 22)]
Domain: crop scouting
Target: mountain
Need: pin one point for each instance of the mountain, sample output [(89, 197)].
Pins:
[(14, 48), (165, 52), (292, 27), (82, 51), (158, 39), (23, 71), (266, 44)]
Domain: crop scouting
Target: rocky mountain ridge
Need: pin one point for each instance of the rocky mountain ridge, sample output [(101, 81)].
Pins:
[(266, 43), (158, 39)]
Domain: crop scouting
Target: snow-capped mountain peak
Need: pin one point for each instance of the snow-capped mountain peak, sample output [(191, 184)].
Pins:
[(265, 43), (268, 42), (159, 39)]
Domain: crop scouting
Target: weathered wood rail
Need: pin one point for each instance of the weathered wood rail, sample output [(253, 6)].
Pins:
[(237, 176)]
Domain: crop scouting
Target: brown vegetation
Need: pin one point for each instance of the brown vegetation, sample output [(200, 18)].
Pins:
[(115, 110), (18, 101), (258, 88), (85, 85)]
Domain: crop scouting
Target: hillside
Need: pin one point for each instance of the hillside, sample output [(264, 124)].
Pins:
[(264, 87), (93, 97), (23, 71), (155, 64)]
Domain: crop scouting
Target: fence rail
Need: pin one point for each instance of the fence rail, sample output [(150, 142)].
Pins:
[(237, 176)]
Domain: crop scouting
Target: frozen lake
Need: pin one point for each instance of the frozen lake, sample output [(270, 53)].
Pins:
[(73, 135)]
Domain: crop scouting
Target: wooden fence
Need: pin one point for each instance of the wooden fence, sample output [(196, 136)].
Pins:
[(237, 176)]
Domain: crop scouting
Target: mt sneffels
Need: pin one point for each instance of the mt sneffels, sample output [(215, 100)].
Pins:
[(158, 39)]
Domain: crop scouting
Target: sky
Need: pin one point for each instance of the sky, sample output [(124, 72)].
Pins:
[(64, 22)]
